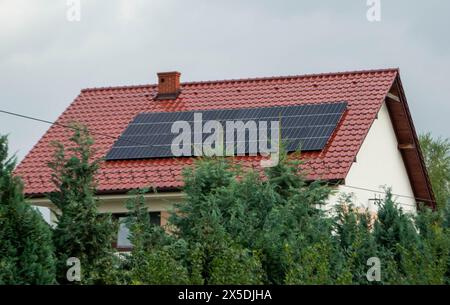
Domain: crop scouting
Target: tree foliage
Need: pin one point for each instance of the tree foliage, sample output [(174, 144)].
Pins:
[(155, 257), (81, 232), (242, 226), (436, 153), (26, 249), (237, 225)]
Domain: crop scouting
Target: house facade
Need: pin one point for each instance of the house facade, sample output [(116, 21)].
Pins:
[(371, 145)]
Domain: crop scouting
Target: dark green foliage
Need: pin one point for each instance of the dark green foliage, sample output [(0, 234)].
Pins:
[(236, 266), (427, 261), (155, 257), (159, 267), (280, 222), (236, 226), (26, 250), (246, 227), (218, 221), (436, 154), (81, 231), (355, 242), (249, 217), (312, 266), (393, 228), (437, 159), (143, 234), (240, 226), (414, 249)]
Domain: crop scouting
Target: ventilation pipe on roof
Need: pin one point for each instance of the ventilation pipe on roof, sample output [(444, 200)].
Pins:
[(168, 85)]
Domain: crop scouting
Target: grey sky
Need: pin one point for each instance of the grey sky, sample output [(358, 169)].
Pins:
[(45, 60)]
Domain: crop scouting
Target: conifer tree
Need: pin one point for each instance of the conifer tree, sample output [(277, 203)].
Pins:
[(393, 227), (211, 224), (427, 261), (81, 232), (355, 240), (26, 250), (436, 153)]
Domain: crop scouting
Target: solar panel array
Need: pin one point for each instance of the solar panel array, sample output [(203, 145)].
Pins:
[(305, 127)]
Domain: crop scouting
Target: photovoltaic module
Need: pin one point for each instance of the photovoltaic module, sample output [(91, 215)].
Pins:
[(305, 127)]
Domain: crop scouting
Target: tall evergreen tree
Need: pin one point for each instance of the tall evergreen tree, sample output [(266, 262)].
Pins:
[(393, 227), (212, 226), (355, 241), (428, 262), (26, 250), (81, 232), (437, 159), (296, 231), (229, 207)]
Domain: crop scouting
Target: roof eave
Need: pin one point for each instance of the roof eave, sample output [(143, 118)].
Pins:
[(409, 144)]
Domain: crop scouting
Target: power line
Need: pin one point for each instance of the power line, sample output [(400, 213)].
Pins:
[(72, 127), (396, 195), (154, 145)]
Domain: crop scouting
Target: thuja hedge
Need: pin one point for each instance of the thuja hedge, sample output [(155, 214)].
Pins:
[(236, 226)]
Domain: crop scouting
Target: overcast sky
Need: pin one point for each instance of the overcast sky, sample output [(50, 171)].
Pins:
[(45, 60)]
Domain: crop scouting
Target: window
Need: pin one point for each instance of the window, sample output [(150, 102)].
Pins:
[(123, 242), (122, 235)]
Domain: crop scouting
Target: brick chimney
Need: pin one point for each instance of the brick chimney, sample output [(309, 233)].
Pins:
[(168, 85)]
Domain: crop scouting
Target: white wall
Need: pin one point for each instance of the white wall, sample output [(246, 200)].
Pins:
[(155, 202), (379, 163), (45, 212), (159, 202)]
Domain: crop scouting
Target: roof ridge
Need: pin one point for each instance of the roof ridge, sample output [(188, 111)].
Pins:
[(292, 76), (117, 87), (251, 79)]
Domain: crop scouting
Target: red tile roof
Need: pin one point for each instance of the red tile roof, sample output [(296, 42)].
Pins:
[(108, 111)]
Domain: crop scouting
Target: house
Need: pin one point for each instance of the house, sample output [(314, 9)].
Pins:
[(372, 144)]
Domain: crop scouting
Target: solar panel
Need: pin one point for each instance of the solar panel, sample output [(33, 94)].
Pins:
[(305, 127)]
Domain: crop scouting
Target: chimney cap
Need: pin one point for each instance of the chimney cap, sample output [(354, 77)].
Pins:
[(168, 73)]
